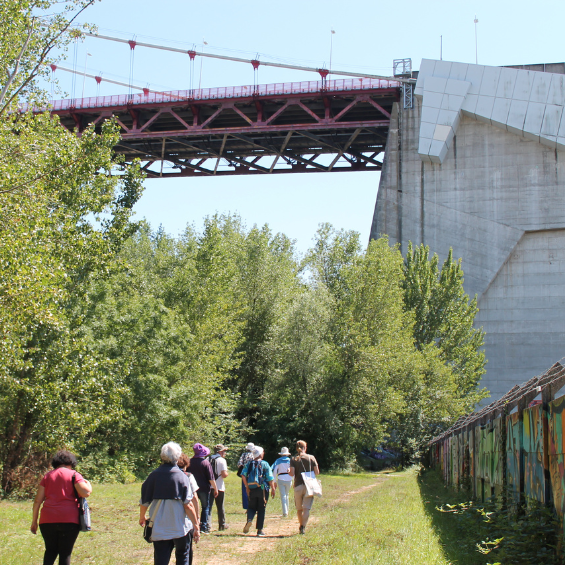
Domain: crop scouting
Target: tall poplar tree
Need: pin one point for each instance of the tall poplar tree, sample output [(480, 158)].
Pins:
[(444, 316)]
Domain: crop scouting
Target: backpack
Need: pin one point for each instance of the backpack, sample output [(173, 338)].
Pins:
[(255, 475), (214, 462)]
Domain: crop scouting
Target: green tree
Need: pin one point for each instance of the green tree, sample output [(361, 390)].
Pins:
[(172, 360), (63, 216), (267, 281), (31, 31), (444, 316)]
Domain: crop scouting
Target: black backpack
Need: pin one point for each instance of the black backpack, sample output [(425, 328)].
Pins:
[(214, 462)]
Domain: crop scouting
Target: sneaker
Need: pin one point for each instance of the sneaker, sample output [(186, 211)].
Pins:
[(222, 528), (285, 515), (204, 531), (302, 529), (260, 533), (247, 526)]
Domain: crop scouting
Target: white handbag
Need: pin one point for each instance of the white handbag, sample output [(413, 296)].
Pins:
[(312, 484)]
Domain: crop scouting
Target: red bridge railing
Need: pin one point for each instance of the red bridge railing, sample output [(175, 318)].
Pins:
[(152, 97)]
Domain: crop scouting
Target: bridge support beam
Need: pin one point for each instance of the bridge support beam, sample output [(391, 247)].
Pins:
[(498, 199)]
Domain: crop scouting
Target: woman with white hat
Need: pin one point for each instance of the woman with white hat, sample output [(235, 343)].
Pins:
[(280, 470), (246, 456)]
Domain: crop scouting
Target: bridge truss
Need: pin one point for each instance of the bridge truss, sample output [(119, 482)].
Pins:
[(314, 126)]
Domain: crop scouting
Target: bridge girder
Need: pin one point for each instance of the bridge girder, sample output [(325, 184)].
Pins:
[(280, 133)]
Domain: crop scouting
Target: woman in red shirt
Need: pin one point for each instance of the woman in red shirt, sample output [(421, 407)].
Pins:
[(59, 522)]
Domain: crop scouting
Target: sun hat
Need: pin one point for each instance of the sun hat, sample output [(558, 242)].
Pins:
[(220, 447), (249, 447), (284, 451), (200, 450), (257, 452)]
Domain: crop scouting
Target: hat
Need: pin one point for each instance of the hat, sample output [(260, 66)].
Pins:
[(249, 447), (200, 450), (220, 447), (284, 451), (257, 452)]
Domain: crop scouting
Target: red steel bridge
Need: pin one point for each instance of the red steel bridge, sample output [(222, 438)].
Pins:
[(313, 126)]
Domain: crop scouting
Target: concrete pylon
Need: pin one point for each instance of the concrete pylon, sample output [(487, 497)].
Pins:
[(479, 165)]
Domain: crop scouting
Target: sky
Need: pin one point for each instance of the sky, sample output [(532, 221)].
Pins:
[(368, 36)]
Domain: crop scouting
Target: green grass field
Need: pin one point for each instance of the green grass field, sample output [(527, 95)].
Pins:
[(394, 522)]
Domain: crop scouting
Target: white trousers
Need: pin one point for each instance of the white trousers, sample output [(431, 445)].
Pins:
[(284, 489)]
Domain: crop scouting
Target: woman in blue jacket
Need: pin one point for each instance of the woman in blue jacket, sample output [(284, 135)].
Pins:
[(280, 470)]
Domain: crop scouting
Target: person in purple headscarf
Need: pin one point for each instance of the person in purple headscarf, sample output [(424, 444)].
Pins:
[(203, 473)]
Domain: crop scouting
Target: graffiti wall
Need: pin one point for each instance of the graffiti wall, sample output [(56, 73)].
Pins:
[(534, 422), (513, 447), (514, 464), (556, 450)]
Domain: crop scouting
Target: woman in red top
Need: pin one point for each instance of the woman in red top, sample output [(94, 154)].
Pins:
[(59, 522)]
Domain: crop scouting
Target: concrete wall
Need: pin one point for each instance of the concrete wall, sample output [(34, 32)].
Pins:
[(498, 199)]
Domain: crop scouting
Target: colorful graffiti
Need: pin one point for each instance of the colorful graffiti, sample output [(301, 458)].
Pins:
[(514, 447), (534, 422), (556, 448), (514, 463)]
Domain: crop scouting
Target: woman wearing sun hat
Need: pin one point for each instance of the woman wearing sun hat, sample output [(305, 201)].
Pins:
[(280, 470)]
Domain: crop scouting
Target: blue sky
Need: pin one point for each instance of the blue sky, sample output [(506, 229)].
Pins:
[(369, 35)]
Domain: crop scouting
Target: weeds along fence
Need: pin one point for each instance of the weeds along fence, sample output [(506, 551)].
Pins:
[(513, 447)]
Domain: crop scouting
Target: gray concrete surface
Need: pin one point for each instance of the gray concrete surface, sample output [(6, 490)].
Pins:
[(498, 199)]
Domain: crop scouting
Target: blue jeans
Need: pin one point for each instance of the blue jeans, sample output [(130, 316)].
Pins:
[(162, 550), (205, 504), (284, 490), (257, 504)]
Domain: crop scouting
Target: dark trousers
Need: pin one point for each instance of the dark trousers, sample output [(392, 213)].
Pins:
[(258, 499), (59, 541), (244, 501), (219, 507), (162, 550), (205, 504)]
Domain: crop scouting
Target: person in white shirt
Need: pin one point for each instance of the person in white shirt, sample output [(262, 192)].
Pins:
[(280, 470), (220, 468)]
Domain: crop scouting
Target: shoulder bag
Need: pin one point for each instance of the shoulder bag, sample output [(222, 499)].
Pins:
[(312, 484), (148, 529), (83, 510)]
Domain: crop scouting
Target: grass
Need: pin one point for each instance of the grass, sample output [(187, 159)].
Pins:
[(389, 524), (392, 523)]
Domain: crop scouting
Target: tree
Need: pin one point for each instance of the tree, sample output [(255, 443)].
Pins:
[(267, 281), (167, 333), (347, 348), (31, 31), (444, 317), (63, 216)]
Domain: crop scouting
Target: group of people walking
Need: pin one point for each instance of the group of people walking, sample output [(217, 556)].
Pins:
[(177, 498), (259, 480)]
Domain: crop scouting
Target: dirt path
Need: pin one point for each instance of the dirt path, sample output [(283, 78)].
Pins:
[(233, 547)]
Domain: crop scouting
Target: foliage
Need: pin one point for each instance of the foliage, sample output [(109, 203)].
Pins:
[(174, 334), (444, 316), (529, 537), (31, 31), (451, 348), (349, 374), (267, 283), (63, 217)]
